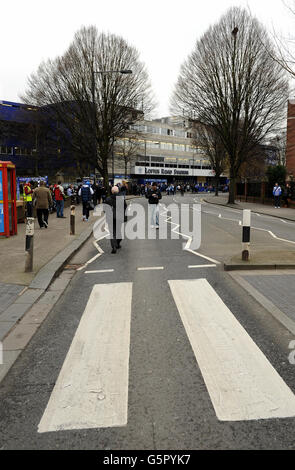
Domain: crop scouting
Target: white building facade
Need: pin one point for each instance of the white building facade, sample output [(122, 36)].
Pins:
[(165, 152)]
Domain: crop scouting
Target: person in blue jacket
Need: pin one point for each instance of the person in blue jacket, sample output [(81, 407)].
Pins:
[(277, 192)]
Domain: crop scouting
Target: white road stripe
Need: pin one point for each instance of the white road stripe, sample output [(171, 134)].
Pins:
[(158, 268), (203, 266), (204, 257), (241, 382), (92, 388), (101, 271)]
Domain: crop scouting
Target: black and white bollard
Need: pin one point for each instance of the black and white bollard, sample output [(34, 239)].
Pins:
[(29, 244), (246, 234), (72, 220)]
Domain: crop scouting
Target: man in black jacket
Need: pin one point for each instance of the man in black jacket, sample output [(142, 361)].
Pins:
[(154, 196), (118, 205)]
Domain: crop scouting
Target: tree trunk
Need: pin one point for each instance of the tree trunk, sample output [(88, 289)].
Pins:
[(105, 176), (216, 185), (232, 189)]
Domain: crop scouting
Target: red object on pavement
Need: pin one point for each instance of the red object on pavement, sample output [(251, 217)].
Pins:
[(8, 216)]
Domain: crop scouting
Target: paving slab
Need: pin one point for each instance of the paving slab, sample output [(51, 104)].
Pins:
[(29, 296), (36, 314), (9, 358), (19, 337), (280, 290), (50, 297), (8, 294), (264, 287), (5, 327), (14, 312)]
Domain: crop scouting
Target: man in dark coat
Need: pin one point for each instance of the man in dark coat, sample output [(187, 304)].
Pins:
[(115, 220)]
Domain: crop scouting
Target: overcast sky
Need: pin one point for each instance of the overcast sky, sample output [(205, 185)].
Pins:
[(163, 31)]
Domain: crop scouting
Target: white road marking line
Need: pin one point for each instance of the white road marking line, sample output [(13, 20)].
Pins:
[(187, 247), (92, 388), (241, 382), (288, 223), (157, 268), (99, 249), (203, 266), (273, 235), (100, 271), (204, 257), (256, 228)]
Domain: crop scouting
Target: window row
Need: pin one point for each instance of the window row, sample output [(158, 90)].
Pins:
[(165, 165), (6, 150), (161, 131), (159, 146)]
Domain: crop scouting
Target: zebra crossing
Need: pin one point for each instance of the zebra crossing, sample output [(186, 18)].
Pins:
[(92, 388)]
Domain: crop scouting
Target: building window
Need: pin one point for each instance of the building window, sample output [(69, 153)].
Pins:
[(179, 147), (166, 146), (157, 159)]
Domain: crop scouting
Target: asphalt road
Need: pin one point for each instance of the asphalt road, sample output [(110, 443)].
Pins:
[(168, 404)]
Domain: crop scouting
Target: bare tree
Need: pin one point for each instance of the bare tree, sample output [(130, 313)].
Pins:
[(284, 53), (231, 84), (213, 147), (92, 100), (126, 150)]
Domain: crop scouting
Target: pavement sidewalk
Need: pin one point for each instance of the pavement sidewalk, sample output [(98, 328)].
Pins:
[(283, 213), (53, 248), (271, 256)]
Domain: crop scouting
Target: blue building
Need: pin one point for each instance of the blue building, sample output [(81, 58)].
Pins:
[(31, 141)]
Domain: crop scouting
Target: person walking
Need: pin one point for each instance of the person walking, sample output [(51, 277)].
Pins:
[(28, 199), (43, 198), (154, 196), (287, 193), (59, 197), (277, 191), (118, 204), (86, 193)]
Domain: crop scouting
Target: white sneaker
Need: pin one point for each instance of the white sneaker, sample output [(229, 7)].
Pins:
[(157, 227)]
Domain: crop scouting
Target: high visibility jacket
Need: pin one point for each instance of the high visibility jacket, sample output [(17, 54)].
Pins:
[(28, 197)]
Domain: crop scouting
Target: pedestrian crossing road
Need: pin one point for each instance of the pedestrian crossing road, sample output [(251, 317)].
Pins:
[(170, 358), (92, 388)]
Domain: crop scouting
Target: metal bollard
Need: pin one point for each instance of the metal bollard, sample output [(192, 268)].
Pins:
[(29, 244), (246, 235), (72, 220)]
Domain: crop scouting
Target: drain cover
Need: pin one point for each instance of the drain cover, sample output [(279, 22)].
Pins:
[(73, 266)]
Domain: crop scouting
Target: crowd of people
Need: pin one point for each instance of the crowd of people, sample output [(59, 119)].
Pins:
[(284, 193)]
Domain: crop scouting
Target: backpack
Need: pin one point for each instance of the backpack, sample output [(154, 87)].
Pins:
[(57, 194), (85, 193)]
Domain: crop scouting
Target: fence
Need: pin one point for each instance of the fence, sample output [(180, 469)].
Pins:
[(260, 192)]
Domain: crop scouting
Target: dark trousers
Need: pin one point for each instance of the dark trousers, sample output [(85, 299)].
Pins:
[(42, 215), (86, 209), (277, 201), (29, 209), (115, 242)]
